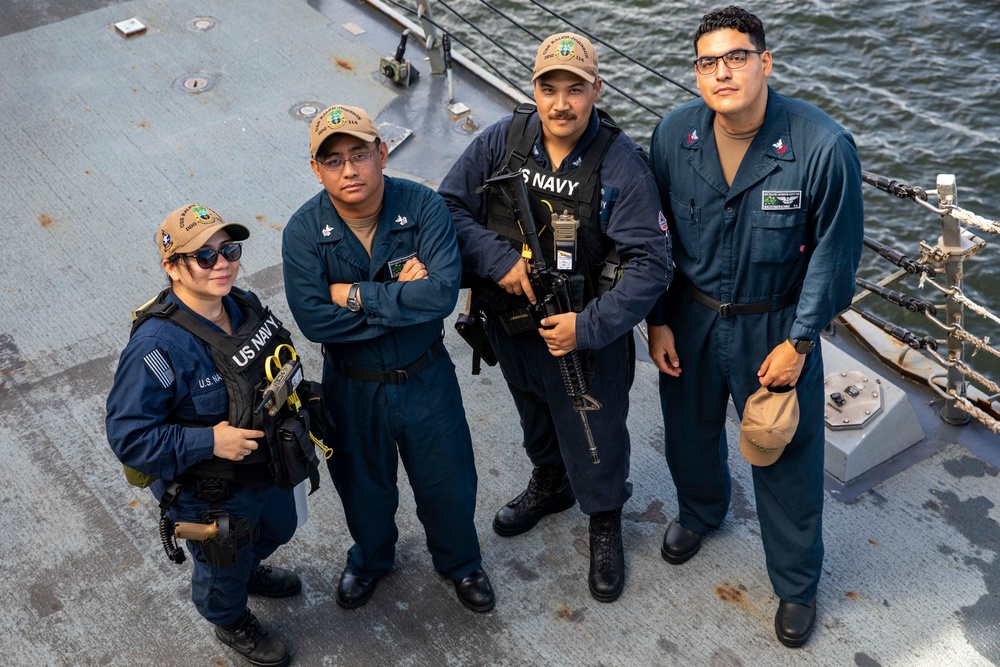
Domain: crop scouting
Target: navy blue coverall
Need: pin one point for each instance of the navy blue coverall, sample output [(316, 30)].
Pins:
[(631, 217), (166, 375), (399, 323), (792, 220)]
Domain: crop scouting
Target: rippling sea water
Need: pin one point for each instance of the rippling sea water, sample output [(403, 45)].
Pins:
[(917, 83)]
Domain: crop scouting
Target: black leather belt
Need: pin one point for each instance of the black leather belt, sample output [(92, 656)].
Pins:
[(396, 377), (729, 309)]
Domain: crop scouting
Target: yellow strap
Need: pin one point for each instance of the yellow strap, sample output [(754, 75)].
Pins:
[(291, 350), (268, 371)]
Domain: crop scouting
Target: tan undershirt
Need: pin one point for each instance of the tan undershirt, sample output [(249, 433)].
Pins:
[(732, 148), (364, 229)]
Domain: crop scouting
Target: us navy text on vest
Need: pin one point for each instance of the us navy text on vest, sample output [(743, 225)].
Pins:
[(257, 342), (549, 182)]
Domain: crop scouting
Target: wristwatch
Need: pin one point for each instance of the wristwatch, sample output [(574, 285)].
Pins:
[(353, 304), (802, 346)]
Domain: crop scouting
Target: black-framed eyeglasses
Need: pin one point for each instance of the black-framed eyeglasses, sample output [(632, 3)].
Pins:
[(336, 164), (208, 258), (733, 60)]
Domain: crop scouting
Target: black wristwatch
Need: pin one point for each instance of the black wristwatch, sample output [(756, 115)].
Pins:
[(353, 304), (802, 346)]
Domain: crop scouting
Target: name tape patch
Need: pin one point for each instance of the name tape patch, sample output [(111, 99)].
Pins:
[(781, 200), (396, 265)]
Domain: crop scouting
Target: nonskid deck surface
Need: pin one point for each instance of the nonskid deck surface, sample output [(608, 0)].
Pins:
[(98, 144)]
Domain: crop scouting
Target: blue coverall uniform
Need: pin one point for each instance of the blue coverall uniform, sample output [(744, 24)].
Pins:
[(792, 220), (399, 323), (166, 375), (630, 216)]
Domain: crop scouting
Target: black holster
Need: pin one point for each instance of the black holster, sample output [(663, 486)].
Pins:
[(234, 534), (472, 330)]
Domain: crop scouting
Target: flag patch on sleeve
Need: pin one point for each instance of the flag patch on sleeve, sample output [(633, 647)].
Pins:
[(159, 367)]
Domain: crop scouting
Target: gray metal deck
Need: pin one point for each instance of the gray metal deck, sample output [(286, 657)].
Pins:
[(98, 144)]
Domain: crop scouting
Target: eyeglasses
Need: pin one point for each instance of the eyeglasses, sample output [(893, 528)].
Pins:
[(734, 60), (208, 258), (336, 164)]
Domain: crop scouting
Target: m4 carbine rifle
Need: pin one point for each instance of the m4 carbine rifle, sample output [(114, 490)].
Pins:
[(552, 297)]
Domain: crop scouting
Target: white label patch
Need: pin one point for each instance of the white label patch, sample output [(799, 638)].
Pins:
[(564, 260), (781, 200)]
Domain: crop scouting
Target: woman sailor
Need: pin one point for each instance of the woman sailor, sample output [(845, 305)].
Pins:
[(169, 417)]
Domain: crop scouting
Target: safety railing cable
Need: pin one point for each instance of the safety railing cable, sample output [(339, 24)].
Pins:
[(488, 38), (581, 30), (954, 246), (524, 64), (510, 19), (592, 37)]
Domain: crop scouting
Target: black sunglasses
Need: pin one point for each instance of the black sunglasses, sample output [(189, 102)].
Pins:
[(208, 258)]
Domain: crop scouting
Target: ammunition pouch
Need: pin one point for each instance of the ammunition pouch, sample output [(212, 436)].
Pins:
[(295, 457), (518, 322), (234, 534)]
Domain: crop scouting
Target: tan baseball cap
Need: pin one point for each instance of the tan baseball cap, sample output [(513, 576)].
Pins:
[(340, 119), (770, 419), (189, 227), (567, 51)]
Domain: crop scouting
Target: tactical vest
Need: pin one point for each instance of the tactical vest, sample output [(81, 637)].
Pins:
[(240, 359), (577, 191)]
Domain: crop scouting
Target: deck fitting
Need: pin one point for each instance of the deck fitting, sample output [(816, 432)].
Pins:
[(130, 27), (202, 23), (194, 83), (306, 110), (467, 126)]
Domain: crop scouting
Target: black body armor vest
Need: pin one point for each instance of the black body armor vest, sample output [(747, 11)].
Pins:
[(577, 191), (240, 360)]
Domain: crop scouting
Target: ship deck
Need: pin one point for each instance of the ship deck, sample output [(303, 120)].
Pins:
[(99, 142)]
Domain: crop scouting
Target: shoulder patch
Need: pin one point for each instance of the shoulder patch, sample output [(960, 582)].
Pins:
[(159, 367)]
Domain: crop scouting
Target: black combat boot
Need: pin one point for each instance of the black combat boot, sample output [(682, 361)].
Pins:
[(548, 492), (273, 582), (253, 642), (607, 557)]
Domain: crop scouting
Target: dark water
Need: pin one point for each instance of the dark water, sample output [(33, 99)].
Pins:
[(916, 83)]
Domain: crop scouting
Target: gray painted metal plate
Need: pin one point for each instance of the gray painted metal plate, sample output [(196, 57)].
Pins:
[(852, 400)]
